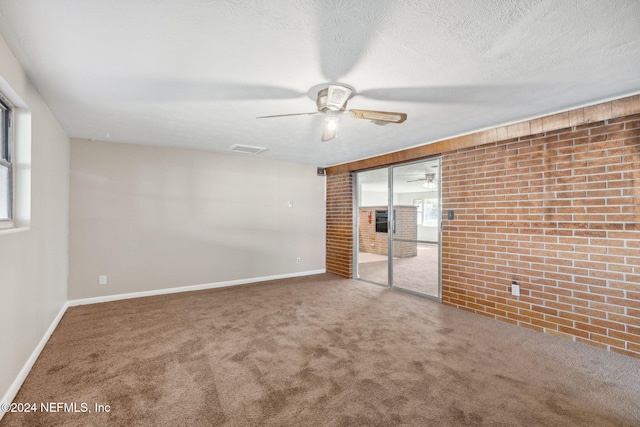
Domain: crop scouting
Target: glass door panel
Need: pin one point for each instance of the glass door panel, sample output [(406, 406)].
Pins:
[(372, 226), (416, 223), (419, 273)]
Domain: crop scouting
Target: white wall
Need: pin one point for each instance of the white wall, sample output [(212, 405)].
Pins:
[(373, 198), (153, 218), (33, 257)]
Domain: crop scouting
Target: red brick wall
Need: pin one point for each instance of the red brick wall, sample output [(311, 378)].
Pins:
[(378, 243), (558, 212), (339, 240), (406, 228), (368, 239)]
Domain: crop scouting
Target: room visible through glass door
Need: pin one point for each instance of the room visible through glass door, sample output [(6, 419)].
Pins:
[(372, 243), (416, 224)]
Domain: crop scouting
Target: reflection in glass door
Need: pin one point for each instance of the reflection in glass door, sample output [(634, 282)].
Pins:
[(398, 227), (416, 223), (372, 226)]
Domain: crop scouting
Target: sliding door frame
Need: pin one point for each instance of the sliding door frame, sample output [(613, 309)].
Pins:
[(356, 226), (391, 220)]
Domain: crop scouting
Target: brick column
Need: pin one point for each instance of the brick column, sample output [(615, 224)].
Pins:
[(340, 224)]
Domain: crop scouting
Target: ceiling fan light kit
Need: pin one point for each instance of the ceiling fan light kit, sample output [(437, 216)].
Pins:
[(332, 100), (330, 129), (332, 123)]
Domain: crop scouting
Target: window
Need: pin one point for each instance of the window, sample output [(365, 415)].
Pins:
[(418, 204), (6, 167), (428, 212), (431, 213)]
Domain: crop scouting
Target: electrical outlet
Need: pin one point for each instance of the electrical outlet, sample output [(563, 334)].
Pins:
[(102, 280), (298, 260), (515, 289)]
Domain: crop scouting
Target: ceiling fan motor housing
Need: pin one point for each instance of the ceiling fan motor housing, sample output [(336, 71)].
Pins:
[(333, 98)]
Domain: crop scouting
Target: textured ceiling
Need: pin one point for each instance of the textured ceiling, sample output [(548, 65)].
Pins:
[(195, 74)]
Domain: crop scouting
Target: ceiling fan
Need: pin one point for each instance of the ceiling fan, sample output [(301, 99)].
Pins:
[(429, 178), (332, 101)]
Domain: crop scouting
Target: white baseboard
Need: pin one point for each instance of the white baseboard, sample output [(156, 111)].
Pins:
[(107, 298), (22, 375)]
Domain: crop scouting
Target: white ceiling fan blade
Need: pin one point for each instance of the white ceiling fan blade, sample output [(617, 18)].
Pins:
[(378, 116), (289, 115), (330, 130)]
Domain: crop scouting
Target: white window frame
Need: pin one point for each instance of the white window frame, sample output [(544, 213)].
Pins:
[(418, 203), (6, 159)]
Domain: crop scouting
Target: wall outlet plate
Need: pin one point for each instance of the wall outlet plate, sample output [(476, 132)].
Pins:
[(515, 289)]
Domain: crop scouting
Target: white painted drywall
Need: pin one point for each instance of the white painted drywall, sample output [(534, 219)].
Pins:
[(373, 198), (152, 218), (33, 256)]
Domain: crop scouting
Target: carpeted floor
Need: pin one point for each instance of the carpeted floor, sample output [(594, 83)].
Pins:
[(418, 273), (318, 351)]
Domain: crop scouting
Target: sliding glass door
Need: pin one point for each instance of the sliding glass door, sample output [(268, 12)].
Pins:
[(416, 222), (372, 219), (398, 227)]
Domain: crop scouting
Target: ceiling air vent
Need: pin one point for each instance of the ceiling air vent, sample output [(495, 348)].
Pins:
[(246, 149)]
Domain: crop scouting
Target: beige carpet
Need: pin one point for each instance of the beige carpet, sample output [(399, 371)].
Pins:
[(319, 351), (418, 273)]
